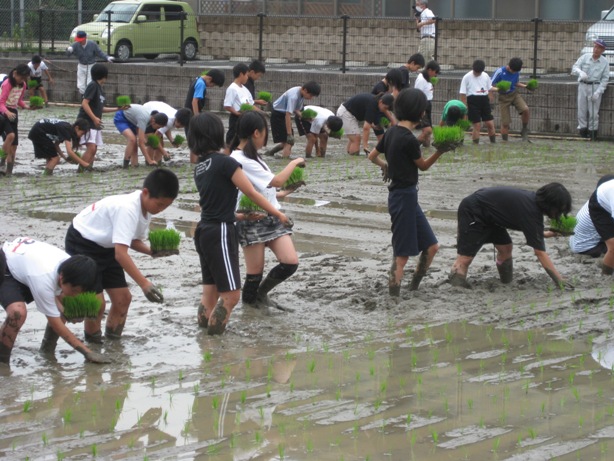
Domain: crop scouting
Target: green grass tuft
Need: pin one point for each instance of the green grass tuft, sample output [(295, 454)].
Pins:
[(36, 101), (178, 140), (337, 134), (32, 83), (309, 114), (444, 135), (565, 224), (123, 101), (164, 239), (246, 204), (464, 124), (265, 96), (153, 141), (532, 84), (82, 305), (384, 122), (297, 175), (434, 80), (246, 107), (504, 85)]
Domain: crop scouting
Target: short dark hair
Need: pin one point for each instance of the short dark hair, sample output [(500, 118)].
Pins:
[(454, 115), (410, 104), (217, 77), (22, 69), (386, 98), (160, 118), (162, 183), (239, 69), (416, 59), (83, 125), (257, 66), (311, 87), (478, 65), (79, 271), (431, 65), (183, 116), (36, 59), (394, 77), (553, 200), (334, 123), (515, 64), (206, 134), (99, 71)]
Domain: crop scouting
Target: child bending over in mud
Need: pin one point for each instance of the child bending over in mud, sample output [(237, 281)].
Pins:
[(255, 235), (217, 177), (105, 231), (37, 271), (411, 232)]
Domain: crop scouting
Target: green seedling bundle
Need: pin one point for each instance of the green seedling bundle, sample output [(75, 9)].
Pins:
[(384, 122), (296, 177), (434, 80), (153, 141), (447, 137), (504, 86), (2, 154), (164, 241), (123, 101), (265, 96), (463, 124), (532, 84), (246, 107), (32, 83), (247, 205), (564, 225), (84, 305), (337, 134), (309, 114), (178, 140), (36, 102)]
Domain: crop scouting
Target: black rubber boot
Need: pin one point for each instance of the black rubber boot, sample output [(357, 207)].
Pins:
[(476, 141), (126, 164), (504, 137), (114, 333), (506, 270), (524, 133), (583, 132), (593, 136), (262, 296), (50, 341), (493, 139), (249, 293), (273, 150), (5, 354), (10, 165), (94, 337)]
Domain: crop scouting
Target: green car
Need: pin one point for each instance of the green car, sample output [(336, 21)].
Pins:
[(144, 28)]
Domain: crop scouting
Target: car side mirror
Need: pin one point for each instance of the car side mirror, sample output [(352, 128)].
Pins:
[(141, 18)]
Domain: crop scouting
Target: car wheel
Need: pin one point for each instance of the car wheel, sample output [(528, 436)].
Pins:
[(151, 56), (190, 49), (123, 51)]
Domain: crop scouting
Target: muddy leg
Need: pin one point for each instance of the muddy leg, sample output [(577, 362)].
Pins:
[(394, 286), (116, 320), (458, 280), (50, 341), (506, 270), (419, 273), (16, 314), (201, 317), (218, 319)]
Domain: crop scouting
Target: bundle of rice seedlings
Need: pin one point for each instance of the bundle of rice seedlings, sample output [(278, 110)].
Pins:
[(565, 225), (2, 154), (463, 124), (532, 84), (384, 122), (434, 80), (296, 179), (246, 107), (204, 72), (265, 96), (164, 242), (247, 205), (36, 101), (337, 134), (123, 101), (178, 140), (447, 137), (309, 114), (153, 141), (32, 83), (84, 305), (504, 86)]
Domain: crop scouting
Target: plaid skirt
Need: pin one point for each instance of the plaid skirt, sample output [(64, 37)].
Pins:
[(261, 231)]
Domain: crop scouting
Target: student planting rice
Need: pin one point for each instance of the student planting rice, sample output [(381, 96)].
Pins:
[(105, 231), (39, 272), (318, 128), (454, 111), (424, 83), (177, 118), (475, 92), (263, 231), (484, 216), (411, 232), (217, 177)]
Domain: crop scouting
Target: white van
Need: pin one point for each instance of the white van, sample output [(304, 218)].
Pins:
[(604, 29)]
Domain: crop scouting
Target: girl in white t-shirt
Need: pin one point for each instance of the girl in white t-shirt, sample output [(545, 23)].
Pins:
[(424, 83), (260, 230)]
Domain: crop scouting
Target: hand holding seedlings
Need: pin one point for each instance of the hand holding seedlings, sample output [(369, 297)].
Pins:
[(96, 357), (153, 294)]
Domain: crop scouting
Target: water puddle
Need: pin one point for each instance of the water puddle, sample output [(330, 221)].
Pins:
[(454, 391)]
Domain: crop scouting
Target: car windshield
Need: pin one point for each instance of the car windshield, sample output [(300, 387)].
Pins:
[(118, 12), (609, 16)]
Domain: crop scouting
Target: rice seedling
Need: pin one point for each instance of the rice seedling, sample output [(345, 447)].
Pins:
[(337, 134), (296, 177), (178, 140), (32, 83), (153, 141), (27, 406), (2, 154), (447, 137), (384, 122), (67, 417), (247, 205), (434, 80), (532, 84), (265, 96), (246, 107), (565, 225), (309, 114), (36, 102), (83, 305), (504, 86), (123, 101), (164, 241)]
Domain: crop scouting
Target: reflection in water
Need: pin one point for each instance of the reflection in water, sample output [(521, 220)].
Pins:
[(454, 391)]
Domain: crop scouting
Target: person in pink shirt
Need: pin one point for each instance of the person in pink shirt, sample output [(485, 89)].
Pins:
[(12, 91)]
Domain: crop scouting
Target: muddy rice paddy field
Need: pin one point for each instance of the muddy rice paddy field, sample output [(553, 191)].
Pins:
[(516, 372)]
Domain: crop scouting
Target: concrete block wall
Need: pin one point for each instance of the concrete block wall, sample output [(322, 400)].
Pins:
[(553, 105)]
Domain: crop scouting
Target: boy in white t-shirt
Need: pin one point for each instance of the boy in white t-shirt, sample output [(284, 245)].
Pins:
[(318, 129), (105, 231), (37, 68), (236, 95), (476, 92), (177, 118), (37, 271)]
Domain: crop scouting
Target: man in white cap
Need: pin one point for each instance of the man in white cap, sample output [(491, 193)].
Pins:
[(593, 71), (86, 51)]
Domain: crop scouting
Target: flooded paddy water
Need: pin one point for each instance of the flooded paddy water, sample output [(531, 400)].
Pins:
[(520, 372)]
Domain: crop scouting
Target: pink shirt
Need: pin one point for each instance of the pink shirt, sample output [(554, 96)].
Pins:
[(11, 96)]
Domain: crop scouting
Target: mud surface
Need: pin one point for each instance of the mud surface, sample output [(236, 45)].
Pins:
[(515, 371)]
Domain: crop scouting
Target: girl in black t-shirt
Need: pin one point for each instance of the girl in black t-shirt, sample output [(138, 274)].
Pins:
[(217, 177), (411, 232)]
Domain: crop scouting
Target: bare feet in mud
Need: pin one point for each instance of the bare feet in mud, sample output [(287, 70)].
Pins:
[(203, 322), (217, 322), (457, 280)]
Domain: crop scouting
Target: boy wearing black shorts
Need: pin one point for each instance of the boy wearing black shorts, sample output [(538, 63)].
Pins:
[(476, 92), (485, 216), (105, 231)]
